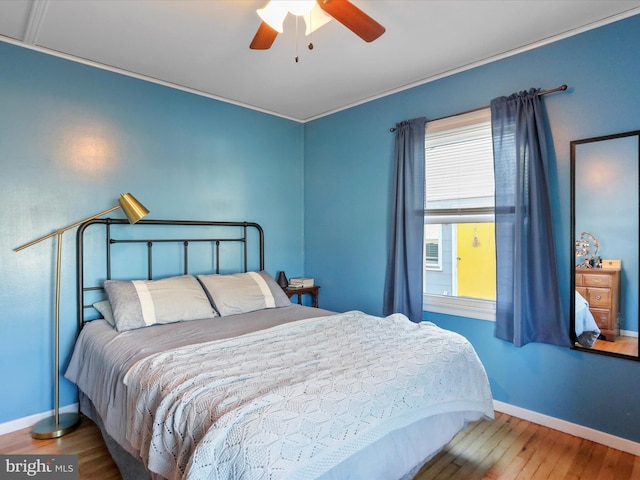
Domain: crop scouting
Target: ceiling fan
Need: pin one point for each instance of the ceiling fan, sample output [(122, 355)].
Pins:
[(343, 11)]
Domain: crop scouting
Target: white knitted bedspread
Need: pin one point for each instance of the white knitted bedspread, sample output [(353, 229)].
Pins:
[(295, 400)]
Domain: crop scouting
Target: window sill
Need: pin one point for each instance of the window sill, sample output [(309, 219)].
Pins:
[(460, 307)]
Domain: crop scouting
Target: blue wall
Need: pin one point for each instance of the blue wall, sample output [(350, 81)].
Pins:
[(348, 167), (72, 138)]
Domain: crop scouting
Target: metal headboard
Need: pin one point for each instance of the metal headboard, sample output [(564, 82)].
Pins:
[(233, 228)]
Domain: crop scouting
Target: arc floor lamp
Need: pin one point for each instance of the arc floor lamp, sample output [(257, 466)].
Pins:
[(58, 425)]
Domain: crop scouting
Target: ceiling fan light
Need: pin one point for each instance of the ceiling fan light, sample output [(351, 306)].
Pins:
[(315, 19), (274, 14)]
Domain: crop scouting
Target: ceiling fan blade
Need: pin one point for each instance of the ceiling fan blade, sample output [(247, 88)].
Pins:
[(264, 37), (353, 18)]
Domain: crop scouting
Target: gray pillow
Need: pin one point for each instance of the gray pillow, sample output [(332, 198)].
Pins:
[(104, 308), (243, 292), (141, 303)]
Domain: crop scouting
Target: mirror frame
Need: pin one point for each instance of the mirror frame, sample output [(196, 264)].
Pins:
[(573, 145)]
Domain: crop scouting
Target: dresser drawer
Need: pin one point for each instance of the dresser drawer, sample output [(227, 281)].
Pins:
[(594, 280), (599, 297), (602, 318)]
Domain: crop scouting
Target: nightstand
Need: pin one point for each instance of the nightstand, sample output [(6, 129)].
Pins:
[(313, 291)]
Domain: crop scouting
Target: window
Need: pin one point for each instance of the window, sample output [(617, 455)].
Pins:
[(432, 250), (459, 261)]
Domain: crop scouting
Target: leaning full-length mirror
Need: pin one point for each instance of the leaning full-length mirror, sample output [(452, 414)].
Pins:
[(605, 214)]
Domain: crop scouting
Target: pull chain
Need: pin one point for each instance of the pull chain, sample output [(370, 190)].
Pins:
[(297, 38), (309, 45)]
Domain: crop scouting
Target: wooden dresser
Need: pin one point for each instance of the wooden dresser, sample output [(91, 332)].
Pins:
[(601, 288)]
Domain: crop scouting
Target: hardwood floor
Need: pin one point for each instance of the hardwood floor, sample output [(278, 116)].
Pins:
[(94, 460), (506, 448), (510, 448), (623, 345)]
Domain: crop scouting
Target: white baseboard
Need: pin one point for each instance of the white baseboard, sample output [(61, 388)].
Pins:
[(571, 428), (629, 333), (25, 422)]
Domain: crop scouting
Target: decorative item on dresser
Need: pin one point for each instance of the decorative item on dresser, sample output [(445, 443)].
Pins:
[(58, 424), (601, 288)]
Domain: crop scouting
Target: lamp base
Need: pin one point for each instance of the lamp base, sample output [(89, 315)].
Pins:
[(48, 428)]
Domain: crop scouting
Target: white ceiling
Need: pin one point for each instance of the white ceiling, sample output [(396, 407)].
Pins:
[(203, 45)]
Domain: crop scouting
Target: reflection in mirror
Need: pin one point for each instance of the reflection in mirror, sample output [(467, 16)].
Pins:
[(605, 231)]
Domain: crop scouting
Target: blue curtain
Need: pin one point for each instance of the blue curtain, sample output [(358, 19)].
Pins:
[(403, 284), (528, 306)]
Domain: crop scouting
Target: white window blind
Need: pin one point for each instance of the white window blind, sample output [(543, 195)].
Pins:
[(459, 166)]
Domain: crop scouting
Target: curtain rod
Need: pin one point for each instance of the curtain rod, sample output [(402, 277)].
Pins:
[(561, 88)]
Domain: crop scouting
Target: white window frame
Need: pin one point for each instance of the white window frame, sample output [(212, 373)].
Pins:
[(452, 305)]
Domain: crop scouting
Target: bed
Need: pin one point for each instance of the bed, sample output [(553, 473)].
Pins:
[(208, 371), (587, 331)]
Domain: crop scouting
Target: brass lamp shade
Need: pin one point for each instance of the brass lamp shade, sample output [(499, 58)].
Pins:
[(132, 208)]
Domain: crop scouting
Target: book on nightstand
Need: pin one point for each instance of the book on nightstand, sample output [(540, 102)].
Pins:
[(300, 282)]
